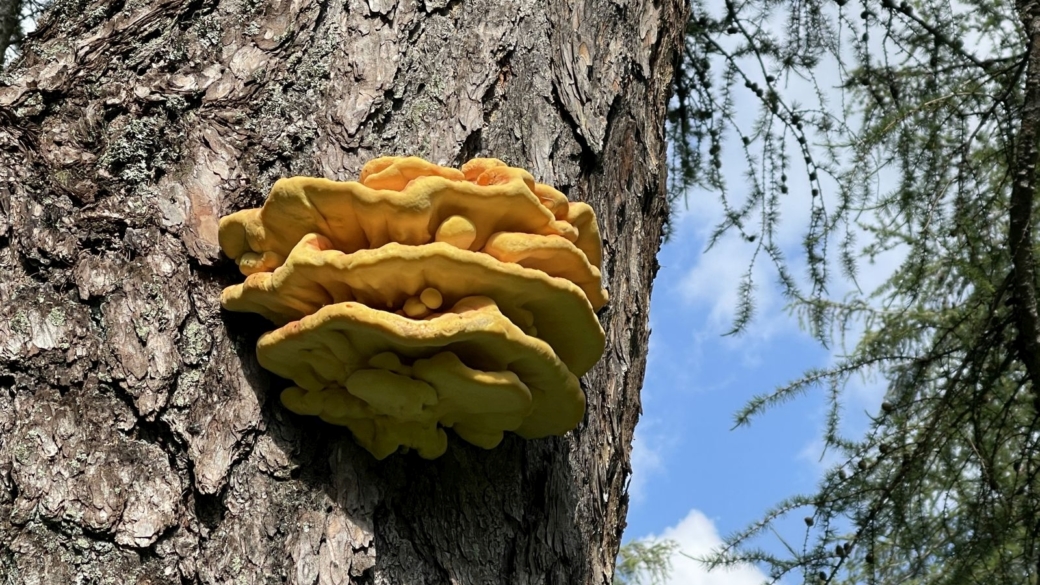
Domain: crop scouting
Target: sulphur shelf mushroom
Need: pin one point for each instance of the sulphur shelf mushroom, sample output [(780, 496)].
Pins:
[(423, 298), (355, 216), (315, 275), (363, 363)]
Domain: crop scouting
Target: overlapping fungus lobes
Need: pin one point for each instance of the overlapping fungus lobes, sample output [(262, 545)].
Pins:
[(422, 298)]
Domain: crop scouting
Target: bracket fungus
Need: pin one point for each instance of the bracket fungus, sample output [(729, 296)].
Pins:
[(422, 298)]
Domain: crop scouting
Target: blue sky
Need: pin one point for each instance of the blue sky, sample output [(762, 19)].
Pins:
[(694, 476), (686, 455)]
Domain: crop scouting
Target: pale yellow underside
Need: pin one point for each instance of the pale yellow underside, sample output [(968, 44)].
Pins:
[(470, 369)]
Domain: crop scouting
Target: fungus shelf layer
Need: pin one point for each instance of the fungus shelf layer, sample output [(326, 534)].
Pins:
[(552, 255), (469, 368), (553, 309), (422, 298), (356, 216)]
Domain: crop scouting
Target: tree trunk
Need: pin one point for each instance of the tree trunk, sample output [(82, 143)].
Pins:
[(139, 440)]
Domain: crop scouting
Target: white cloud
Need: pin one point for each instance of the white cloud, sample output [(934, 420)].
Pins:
[(711, 278), (714, 279), (647, 459), (697, 537), (820, 460), (709, 282)]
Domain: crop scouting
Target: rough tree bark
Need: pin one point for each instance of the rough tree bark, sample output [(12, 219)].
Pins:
[(139, 440)]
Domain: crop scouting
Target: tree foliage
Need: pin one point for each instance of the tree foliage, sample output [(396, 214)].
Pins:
[(644, 562), (910, 127)]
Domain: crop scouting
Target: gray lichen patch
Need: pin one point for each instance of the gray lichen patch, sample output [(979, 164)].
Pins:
[(288, 108), (35, 330), (195, 342), (206, 31), (136, 154), (56, 317), (187, 390)]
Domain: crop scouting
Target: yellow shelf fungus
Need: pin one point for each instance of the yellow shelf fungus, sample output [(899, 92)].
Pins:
[(355, 216), (552, 255), (363, 363), (314, 275), (422, 298)]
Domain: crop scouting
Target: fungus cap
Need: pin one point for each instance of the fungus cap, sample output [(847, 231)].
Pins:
[(393, 173), (469, 368), (552, 255), (355, 217), (314, 275), (583, 218)]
